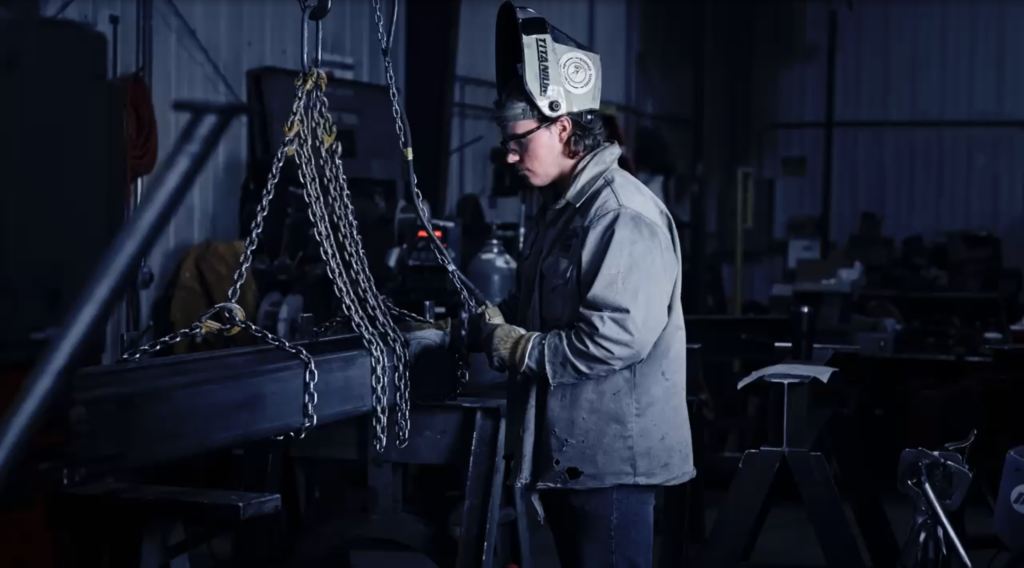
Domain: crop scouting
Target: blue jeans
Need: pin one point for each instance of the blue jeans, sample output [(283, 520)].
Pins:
[(611, 527)]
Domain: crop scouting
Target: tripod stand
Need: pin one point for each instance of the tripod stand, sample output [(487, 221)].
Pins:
[(937, 482)]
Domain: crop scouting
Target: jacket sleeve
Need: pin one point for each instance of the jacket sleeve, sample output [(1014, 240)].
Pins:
[(628, 274)]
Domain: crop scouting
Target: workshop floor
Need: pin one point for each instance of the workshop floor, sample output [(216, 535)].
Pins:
[(786, 525)]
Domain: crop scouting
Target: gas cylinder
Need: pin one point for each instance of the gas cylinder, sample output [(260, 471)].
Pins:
[(1009, 517), (493, 271)]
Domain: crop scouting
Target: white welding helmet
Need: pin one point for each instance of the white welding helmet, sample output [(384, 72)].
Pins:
[(560, 74)]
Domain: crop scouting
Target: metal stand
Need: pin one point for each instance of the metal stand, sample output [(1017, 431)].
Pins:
[(938, 483), (742, 515)]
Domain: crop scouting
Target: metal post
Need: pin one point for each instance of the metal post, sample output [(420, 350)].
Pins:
[(802, 347), (198, 140), (462, 139), (144, 63), (830, 118), (698, 203)]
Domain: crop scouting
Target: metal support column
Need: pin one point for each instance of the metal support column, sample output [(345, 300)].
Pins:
[(430, 51), (698, 201), (830, 117)]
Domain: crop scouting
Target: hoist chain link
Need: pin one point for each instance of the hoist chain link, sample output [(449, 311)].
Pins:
[(398, 312), (461, 359), (340, 278), (343, 215), (396, 111), (329, 324), (193, 331), (230, 311), (310, 375), (293, 127), (442, 257)]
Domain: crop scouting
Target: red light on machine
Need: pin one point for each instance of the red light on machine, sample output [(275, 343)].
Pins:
[(423, 234)]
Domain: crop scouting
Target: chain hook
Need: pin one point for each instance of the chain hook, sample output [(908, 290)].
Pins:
[(316, 11), (232, 313)]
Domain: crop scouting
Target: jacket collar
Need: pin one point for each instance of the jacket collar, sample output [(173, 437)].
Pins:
[(589, 172)]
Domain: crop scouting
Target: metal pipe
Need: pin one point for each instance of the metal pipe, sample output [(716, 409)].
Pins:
[(62, 8), (934, 502), (305, 39), (143, 63), (461, 148), (738, 259), (147, 41), (183, 165), (115, 45), (825, 222), (206, 52), (462, 137)]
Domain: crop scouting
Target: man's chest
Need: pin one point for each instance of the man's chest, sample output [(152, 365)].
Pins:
[(553, 262)]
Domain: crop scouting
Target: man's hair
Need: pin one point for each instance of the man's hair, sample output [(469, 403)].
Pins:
[(588, 132)]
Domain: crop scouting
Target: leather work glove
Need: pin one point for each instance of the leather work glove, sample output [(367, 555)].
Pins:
[(506, 346), (479, 324)]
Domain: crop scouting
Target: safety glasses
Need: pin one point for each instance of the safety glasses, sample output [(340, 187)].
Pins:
[(515, 143)]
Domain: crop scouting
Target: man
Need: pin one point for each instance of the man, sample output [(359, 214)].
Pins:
[(593, 338)]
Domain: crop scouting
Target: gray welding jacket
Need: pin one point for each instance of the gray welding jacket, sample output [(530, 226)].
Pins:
[(603, 398)]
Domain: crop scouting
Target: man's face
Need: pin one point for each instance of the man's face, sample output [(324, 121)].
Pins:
[(535, 149)]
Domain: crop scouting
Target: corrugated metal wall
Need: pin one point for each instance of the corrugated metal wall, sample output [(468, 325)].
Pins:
[(912, 60), (605, 25), (239, 35)]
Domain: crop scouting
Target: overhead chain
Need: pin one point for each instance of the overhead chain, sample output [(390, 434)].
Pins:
[(343, 215), (230, 312), (329, 324), (396, 112), (191, 332), (359, 312), (442, 256)]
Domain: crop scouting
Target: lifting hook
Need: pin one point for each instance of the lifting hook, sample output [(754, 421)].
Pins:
[(319, 10), (313, 11)]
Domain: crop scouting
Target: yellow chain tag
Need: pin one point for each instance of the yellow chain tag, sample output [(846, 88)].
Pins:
[(330, 136), (210, 326), (311, 79)]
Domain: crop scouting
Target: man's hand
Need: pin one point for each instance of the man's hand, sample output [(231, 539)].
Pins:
[(506, 346)]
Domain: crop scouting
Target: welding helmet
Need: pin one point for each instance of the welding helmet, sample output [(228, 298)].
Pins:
[(560, 75)]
